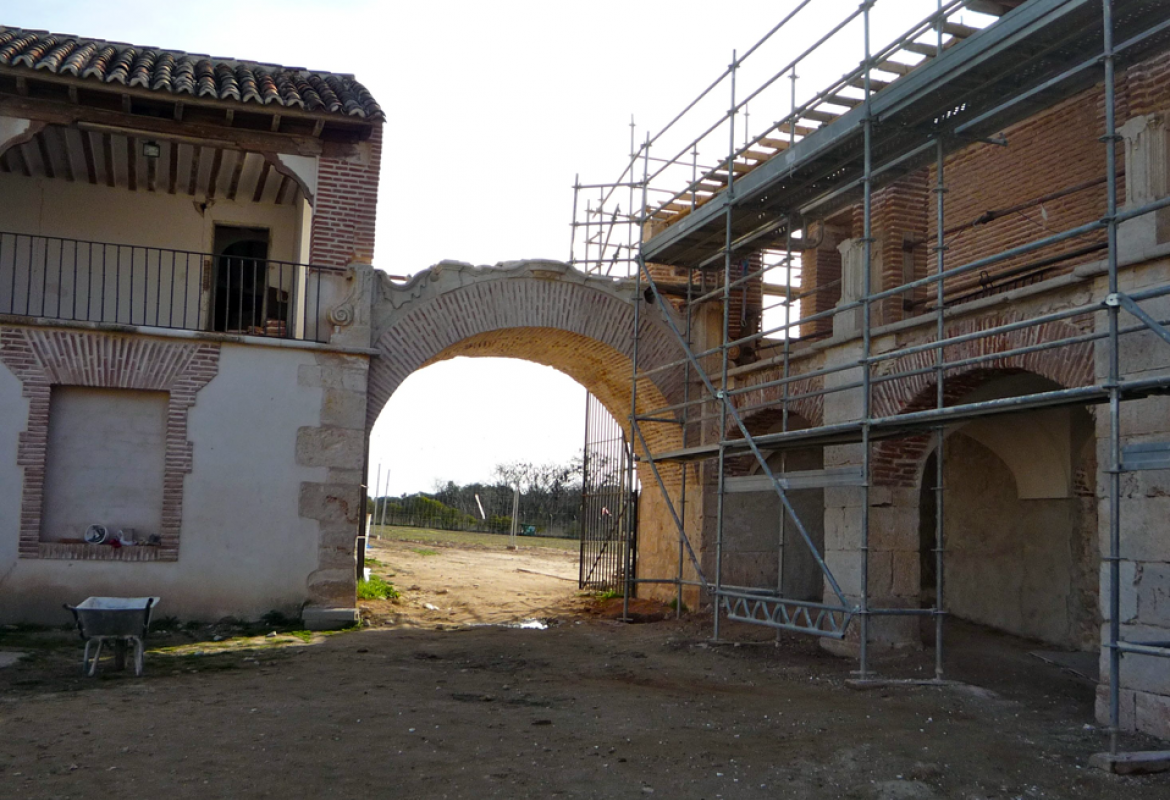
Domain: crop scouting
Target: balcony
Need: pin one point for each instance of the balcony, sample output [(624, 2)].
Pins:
[(50, 278)]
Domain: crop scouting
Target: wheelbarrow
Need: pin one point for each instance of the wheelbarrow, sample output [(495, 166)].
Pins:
[(123, 620)]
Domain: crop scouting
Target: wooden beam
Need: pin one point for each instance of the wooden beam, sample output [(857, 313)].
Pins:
[(22, 86), (152, 174), (819, 116), (193, 180), (275, 127), (127, 104), (896, 67), (959, 31), (25, 166), (43, 149), (284, 182), (108, 157), (874, 84), (172, 166), (230, 117), (801, 130), (844, 100), (213, 178), (73, 96), (87, 152), (757, 155), (261, 181), (62, 139), (234, 186), (928, 50), (779, 144), (65, 114), (132, 163), (178, 112)]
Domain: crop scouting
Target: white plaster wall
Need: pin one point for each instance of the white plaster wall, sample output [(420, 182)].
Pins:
[(67, 283), (244, 549)]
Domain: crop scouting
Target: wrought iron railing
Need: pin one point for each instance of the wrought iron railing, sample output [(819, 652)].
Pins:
[(48, 277)]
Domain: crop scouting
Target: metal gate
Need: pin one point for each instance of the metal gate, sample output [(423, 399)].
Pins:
[(609, 503)]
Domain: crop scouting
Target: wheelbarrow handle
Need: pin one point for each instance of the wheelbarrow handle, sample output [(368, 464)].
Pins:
[(76, 619)]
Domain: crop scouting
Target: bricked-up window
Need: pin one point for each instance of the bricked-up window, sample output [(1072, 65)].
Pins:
[(105, 461)]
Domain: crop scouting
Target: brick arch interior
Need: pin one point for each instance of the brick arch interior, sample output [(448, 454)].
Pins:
[(898, 462)]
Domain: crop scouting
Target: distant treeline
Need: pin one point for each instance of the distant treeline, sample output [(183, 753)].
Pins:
[(550, 502)]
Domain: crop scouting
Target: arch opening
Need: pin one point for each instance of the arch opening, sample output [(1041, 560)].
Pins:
[(1020, 519)]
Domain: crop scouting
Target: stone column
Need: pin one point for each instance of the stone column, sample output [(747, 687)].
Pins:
[(893, 529), (1145, 540), (338, 444), (848, 323), (1146, 180)]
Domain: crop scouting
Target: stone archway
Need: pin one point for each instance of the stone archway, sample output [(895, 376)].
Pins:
[(548, 313)]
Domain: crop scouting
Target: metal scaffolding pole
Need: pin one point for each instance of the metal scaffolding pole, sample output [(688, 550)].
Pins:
[(940, 432), (940, 397), (867, 211), (724, 349), (1113, 310)]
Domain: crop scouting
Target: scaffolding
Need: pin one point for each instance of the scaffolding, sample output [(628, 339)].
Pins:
[(963, 74)]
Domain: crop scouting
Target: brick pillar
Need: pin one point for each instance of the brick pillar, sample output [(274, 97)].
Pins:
[(346, 204), (820, 273), (899, 252)]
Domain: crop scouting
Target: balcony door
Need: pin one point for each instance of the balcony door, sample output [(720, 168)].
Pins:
[(240, 295)]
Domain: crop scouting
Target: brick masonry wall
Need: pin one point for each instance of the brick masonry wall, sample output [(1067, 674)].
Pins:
[(898, 462), (1054, 150), (820, 273), (346, 206), (41, 358), (899, 222)]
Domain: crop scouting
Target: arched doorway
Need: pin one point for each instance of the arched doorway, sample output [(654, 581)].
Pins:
[(549, 314), (1020, 520)]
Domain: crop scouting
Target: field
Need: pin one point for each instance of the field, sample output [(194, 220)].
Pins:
[(464, 538), (443, 695)]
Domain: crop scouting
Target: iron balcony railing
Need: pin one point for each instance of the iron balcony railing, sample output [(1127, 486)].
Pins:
[(48, 277)]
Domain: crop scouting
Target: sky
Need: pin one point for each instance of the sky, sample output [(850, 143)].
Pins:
[(492, 110)]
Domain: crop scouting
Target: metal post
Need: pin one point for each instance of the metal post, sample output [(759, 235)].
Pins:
[(940, 400), (573, 223), (867, 181), (635, 431), (721, 395), (377, 486), (678, 600), (1110, 139), (515, 516), (584, 493), (385, 496), (784, 399)]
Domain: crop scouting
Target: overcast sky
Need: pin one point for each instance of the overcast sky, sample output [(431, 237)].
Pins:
[(492, 109)]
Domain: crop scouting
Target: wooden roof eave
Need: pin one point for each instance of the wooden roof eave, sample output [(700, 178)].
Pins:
[(58, 113), (329, 126)]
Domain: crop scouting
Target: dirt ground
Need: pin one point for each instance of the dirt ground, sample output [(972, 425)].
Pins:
[(438, 704)]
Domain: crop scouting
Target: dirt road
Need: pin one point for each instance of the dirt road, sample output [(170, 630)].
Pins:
[(588, 708), (446, 586)]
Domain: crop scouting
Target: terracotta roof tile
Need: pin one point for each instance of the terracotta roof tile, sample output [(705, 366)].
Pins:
[(175, 72)]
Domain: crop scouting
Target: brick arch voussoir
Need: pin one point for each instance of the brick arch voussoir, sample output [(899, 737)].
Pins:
[(546, 321), (763, 407), (898, 462)]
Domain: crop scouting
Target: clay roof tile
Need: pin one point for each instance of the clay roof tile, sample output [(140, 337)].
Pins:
[(226, 80)]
